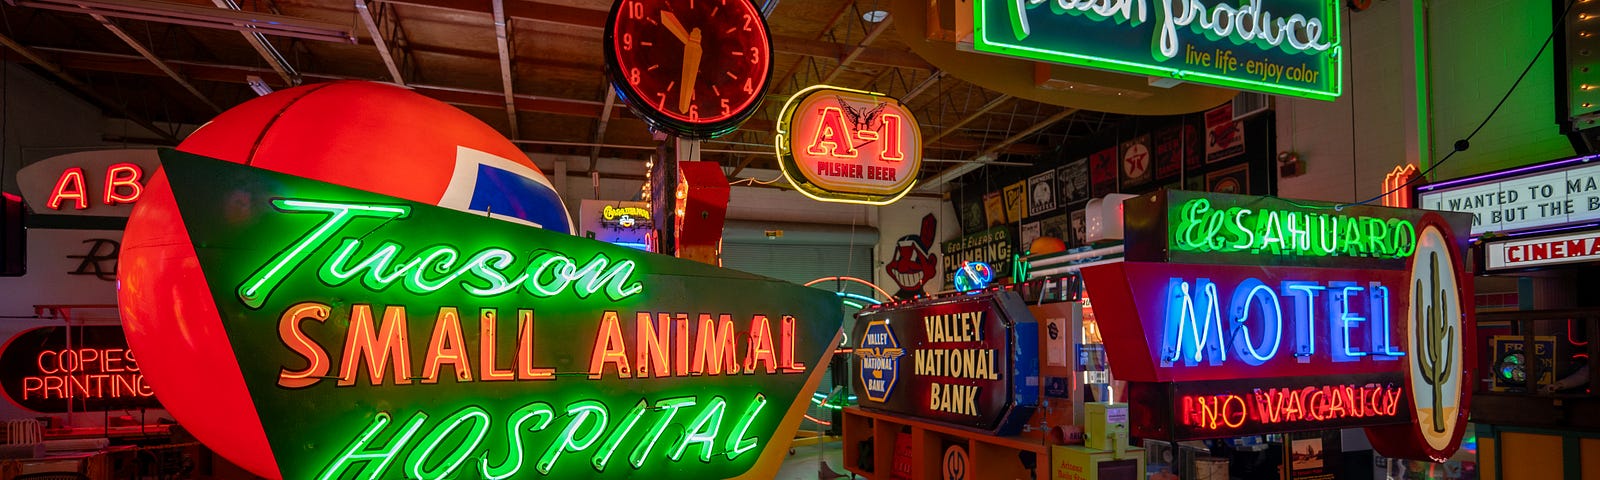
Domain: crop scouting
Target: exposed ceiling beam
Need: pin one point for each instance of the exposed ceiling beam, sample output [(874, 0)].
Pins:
[(151, 56), (224, 18), (213, 72), (922, 87), (600, 127), (595, 21), (56, 70), (989, 155), (265, 49), (981, 111), (502, 37), (365, 13), (860, 49)]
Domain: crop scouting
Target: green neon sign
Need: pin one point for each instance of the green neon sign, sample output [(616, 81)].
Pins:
[(1283, 47), (1200, 227), (381, 338)]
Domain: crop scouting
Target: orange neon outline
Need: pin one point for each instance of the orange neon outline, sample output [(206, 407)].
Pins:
[(289, 327), (447, 345), (136, 189), (488, 342), (786, 348), (715, 347), (609, 348), (680, 346), (760, 347), (652, 356), (1244, 411), (79, 196), (1392, 181), (893, 149), (832, 119), (525, 368), (361, 342)]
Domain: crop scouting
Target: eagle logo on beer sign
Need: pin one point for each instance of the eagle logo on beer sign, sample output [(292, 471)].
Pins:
[(880, 354)]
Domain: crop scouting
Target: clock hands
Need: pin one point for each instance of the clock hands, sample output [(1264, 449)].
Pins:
[(691, 57), (671, 21)]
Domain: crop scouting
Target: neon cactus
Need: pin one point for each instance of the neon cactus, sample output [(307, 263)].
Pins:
[(1436, 357)]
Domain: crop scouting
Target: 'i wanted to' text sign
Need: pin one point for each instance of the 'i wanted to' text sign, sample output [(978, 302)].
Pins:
[(1554, 194)]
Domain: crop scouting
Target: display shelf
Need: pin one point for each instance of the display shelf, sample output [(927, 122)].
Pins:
[(996, 457)]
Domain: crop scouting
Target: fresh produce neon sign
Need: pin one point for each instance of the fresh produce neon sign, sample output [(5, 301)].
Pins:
[(1287, 47)]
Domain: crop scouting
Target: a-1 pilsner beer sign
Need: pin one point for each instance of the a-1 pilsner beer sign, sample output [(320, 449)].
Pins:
[(383, 338), (1282, 47), (969, 361), (842, 145), (1235, 315)]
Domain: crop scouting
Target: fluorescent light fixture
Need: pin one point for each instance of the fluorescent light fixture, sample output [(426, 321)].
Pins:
[(875, 16), (201, 16), (257, 84)]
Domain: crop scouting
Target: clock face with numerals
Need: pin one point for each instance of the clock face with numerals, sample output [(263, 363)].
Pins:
[(694, 68)]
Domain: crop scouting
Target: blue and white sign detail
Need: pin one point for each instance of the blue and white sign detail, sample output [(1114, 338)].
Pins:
[(880, 354)]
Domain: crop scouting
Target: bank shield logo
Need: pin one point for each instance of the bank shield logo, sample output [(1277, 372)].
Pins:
[(880, 356)]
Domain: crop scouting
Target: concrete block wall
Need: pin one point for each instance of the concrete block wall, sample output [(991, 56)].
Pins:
[(1419, 76)]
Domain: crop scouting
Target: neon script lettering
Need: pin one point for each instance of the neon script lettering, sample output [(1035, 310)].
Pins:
[(1273, 406), (1258, 318), (1245, 23), (1201, 228), (590, 427), (485, 273)]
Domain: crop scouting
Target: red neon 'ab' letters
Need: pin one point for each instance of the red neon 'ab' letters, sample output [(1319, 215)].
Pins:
[(70, 186), (121, 187), (123, 175)]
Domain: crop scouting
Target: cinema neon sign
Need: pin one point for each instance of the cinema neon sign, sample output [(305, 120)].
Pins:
[(423, 342), (852, 146)]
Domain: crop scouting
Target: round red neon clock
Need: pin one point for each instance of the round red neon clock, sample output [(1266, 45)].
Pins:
[(694, 68)]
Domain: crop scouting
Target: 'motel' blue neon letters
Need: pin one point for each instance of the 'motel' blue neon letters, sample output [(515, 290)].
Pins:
[(1198, 331)]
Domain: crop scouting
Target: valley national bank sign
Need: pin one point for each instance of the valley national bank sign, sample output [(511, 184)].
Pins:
[(1280, 47)]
